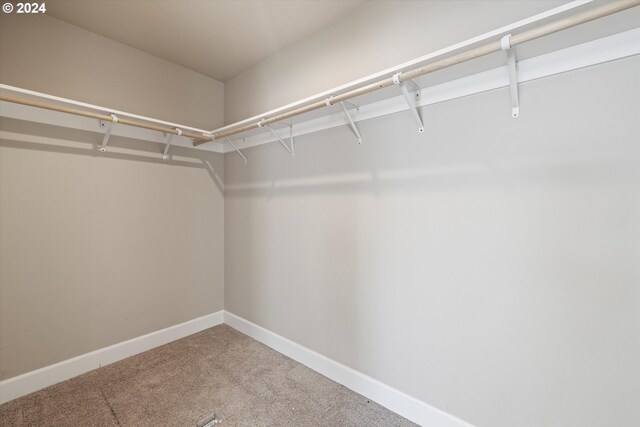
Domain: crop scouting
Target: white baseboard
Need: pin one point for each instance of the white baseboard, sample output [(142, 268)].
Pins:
[(21, 385), (395, 400)]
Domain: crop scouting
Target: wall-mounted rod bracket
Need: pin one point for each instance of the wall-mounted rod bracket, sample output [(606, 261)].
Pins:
[(165, 154), (293, 147), (411, 101), (290, 150), (505, 43), (354, 128), (237, 149), (352, 105), (107, 134), (415, 86)]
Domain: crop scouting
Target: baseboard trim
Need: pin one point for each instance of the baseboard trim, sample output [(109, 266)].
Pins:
[(389, 397), (401, 403), (21, 385)]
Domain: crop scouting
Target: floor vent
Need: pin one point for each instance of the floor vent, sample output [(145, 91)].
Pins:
[(208, 421)]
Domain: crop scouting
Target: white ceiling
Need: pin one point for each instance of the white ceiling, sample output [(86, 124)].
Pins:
[(218, 38)]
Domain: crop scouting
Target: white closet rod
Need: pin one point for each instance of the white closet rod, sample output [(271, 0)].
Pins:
[(603, 10)]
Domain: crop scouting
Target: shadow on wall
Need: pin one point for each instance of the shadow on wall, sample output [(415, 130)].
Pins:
[(395, 159), (453, 174), (479, 177), (41, 137)]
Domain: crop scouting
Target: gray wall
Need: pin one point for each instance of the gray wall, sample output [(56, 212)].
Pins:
[(488, 267), (99, 248), (376, 36)]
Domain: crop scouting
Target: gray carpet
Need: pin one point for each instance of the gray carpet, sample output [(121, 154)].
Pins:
[(217, 370)]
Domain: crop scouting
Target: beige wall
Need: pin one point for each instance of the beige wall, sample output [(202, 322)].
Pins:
[(378, 35), (47, 55), (99, 248)]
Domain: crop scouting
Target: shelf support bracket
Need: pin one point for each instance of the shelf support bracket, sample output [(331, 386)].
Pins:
[(505, 43), (415, 87), (165, 154), (354, 128), (290, 150), (236, 148), (411, 102), (293, 147), (352, 105), (107, 134)]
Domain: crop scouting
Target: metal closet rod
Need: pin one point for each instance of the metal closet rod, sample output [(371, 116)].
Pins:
[(495, 46), (485, 49)]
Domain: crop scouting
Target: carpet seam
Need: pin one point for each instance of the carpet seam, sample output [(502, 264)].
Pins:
[(104, 396)]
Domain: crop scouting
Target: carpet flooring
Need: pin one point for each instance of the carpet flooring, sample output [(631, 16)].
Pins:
[(219, 370)]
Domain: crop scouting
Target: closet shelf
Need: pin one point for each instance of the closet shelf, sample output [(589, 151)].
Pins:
[(573, 36), (570, 37), (31, 106)]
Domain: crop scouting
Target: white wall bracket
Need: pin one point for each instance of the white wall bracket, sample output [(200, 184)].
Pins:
[(415, 87), (165, 154), (354, 128), (329, 103), (290, 150), (107, 134), (505, 43), (293, 147), (411, 100), (352, 105), (237, 149)]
